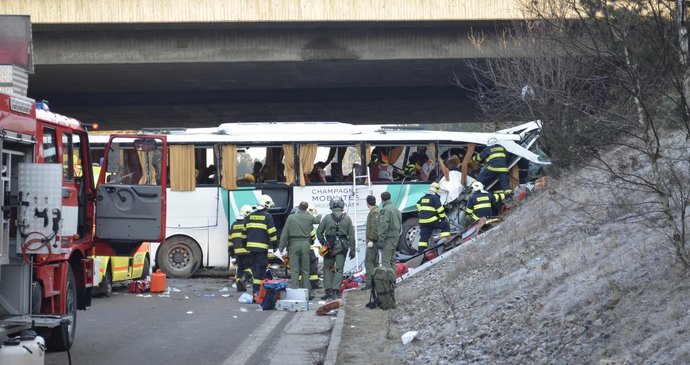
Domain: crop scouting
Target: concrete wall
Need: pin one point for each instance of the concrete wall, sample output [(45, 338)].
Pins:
[(191, 11)]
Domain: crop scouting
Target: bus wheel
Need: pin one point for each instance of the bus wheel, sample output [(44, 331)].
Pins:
[(146, 268), (409, 237), (62, 337), (179, 257)]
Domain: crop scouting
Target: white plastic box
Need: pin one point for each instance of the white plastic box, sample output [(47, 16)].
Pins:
[(292, 305), (297, 294)]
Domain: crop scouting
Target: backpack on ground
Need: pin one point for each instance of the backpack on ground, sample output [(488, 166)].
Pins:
[(383, 287)]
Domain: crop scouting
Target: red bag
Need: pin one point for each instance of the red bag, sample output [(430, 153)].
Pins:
[(139, 286), (401, 269), (348, 283)]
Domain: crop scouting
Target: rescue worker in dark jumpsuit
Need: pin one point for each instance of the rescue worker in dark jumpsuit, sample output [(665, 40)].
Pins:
[(237, 241), (261, 235), (480, 203), (496, 166), (337, 231), (431, 215)]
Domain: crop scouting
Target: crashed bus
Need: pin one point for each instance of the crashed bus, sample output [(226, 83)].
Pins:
[(312, 162)]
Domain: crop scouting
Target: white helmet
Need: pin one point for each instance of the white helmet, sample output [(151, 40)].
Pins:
[(435, 187), (266, 201), (312, 210), (477, 185), (246, 210), (492, 141)]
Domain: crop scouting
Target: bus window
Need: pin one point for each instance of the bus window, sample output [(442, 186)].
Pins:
[(260, 164), (333, 164)]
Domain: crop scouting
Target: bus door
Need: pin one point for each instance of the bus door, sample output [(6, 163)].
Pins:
[(130, 201)]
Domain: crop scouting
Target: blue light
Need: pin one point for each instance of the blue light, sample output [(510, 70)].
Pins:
[(43, 105)]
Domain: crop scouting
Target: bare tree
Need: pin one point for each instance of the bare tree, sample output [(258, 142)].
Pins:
[(604, 74)]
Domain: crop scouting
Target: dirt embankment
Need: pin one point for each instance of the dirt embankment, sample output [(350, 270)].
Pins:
[(542, 288)]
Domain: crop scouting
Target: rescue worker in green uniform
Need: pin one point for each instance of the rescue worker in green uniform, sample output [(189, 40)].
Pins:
[(313, 260), (338, 233), (431, 215), (371, 260), (295, 236), (390, 221), (261, 235), (237, 241)]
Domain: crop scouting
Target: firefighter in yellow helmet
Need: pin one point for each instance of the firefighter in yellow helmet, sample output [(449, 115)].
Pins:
[(237, 240), (431, 215), (495, 157), (261, 235)]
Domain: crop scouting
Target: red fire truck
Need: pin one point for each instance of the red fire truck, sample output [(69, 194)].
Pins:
[(54, 219)]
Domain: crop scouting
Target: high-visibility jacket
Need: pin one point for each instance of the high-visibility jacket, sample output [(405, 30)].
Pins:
[(261, 231), (495, 157), (237, 238), (430, 209), (480, 203)]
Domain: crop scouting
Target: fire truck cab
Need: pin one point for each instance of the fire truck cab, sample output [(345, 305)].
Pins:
[(54, 219)]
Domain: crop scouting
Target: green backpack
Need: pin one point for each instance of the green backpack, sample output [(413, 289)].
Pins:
[(383, 289)]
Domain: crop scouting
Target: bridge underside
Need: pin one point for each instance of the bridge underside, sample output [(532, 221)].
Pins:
[(150, 77)]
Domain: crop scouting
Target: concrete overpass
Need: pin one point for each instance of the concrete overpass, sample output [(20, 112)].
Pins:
[(147, 63)]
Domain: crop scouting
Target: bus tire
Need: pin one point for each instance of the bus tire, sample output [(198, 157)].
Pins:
[(409, 236), (62, 337), (179, 257), (146, 268)]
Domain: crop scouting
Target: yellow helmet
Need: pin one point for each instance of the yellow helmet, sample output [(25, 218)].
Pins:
[(324, 250)]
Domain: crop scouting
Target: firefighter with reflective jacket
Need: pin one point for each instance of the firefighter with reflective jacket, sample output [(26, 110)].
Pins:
[(481, 202), (237, 241), (295, 236), (337, 233), (432, 216), (496, 166), (261, 235)]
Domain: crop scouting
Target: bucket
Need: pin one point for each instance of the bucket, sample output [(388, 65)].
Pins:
[(158, 283)]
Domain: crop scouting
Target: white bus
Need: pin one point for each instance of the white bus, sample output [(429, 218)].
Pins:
[(211, 177)]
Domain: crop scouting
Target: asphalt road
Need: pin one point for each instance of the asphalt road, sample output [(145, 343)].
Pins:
[(200, 322)]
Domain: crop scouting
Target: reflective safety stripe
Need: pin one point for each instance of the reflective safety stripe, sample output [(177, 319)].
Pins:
[(248, 271), (474, 216), (237, 235), (257, 225), (482, 205), (241, 251), (428, 220), (422, 244), (311, 247), (497, 169), (313, 277), (238, 226), (271, 230), (495, 155), (444, 234), (257, 217), (257, 245), (256, 281), (469, 210), (427, 208)]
